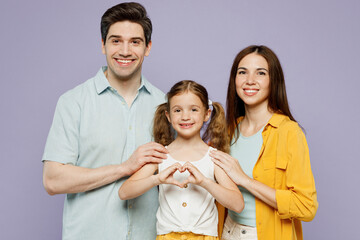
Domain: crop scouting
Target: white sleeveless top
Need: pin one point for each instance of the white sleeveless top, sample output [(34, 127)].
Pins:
[(188, 209)]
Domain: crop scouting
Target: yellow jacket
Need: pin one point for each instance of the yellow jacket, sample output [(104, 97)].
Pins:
[(284, 164)]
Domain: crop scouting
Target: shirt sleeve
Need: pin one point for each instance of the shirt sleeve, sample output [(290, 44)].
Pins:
[(62, 144), (299, 200)]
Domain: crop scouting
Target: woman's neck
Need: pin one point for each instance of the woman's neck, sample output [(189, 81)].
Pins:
[(254, 120)]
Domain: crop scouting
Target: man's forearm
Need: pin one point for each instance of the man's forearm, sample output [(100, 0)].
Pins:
[(61, 178)]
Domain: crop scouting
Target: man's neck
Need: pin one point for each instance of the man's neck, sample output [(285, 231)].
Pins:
[(127, 88)]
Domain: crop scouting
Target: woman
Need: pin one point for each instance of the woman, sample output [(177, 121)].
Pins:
[(269, 155)]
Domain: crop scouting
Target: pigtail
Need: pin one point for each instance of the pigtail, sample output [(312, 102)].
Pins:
[(216, 131), (161, 130)]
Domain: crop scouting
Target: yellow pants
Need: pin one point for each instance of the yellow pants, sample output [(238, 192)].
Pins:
[(185, 235)]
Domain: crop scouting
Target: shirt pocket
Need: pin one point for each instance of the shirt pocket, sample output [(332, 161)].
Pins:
[(267, 176), (274, 171), (280, 172)]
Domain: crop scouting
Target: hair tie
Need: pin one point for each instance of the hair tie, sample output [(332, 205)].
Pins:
[(210, 103)]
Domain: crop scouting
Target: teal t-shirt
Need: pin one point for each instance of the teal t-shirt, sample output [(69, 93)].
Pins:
[(246, 150)]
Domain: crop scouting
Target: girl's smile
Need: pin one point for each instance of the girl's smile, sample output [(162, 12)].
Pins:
[(187, 114)]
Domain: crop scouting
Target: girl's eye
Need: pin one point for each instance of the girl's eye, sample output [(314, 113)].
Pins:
[(194, 110), (262, 73), (177, 110), (241, 72)]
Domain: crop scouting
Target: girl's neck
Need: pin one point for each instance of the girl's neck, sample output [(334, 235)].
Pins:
[(185, 150), (194, 142)]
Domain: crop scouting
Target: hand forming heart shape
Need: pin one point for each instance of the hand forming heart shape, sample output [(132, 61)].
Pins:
[(167, 176)]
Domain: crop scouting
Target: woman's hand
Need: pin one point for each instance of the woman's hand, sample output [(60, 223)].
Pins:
[(233, 169), (231, 166)]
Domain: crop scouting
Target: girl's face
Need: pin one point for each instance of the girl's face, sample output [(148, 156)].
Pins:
[(252, 80), (187, 114)]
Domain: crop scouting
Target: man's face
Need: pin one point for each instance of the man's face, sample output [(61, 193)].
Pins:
[(125, 49)]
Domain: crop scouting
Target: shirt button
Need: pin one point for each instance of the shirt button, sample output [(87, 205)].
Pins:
[(184, 204), (130, 206), (243, 231), (185, 186)]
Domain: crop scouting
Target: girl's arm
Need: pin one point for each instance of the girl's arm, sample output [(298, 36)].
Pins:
[(225, 191), (233, 169), (144, 179)]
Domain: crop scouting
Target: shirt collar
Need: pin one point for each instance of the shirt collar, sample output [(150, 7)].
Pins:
[(101, 82), (276, 119), (145, 84)]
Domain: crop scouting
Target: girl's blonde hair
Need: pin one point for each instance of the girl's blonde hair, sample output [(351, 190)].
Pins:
[(215, 133)]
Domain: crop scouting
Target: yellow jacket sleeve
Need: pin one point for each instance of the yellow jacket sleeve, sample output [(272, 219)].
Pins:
[(299, 199)]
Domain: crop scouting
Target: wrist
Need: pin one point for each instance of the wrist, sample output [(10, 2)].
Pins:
[(155, 179), (247, 183), (205, 182)]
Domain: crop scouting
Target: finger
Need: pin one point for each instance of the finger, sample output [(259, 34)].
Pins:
[(217, 154), (152, 160), (187, 181), (157, 147), (219, 163), (177, 183), (181, 168), (153, 153), (220, 156), (172, 169)]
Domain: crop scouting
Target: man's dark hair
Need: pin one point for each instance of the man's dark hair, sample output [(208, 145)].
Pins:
[(129, 11)]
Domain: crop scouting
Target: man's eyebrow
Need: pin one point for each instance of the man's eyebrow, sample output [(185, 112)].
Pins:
[(133, 38), (114, 36)]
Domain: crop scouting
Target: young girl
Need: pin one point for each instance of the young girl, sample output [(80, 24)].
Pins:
[(188, 180)]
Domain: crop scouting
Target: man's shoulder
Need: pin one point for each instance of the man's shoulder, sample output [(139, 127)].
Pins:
[(79, 91)]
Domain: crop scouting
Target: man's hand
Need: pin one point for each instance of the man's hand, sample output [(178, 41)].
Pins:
[(148, 153)]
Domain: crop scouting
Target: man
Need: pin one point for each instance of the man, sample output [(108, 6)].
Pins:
[(101, 134)]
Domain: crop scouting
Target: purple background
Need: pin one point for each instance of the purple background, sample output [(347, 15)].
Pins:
[(48, 47)]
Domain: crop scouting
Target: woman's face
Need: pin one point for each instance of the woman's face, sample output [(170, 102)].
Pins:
[(252, 81)]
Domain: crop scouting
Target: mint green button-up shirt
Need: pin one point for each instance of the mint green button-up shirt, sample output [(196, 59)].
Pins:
[(93, 126)]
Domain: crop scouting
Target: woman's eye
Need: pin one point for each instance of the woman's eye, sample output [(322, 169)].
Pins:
[(262, 73), (241, 72)]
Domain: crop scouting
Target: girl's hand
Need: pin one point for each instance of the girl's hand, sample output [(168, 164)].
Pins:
[(196, 177), (167, 176), (230, 165)]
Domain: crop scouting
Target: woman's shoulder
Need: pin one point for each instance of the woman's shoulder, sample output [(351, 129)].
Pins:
[(284, 124)]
